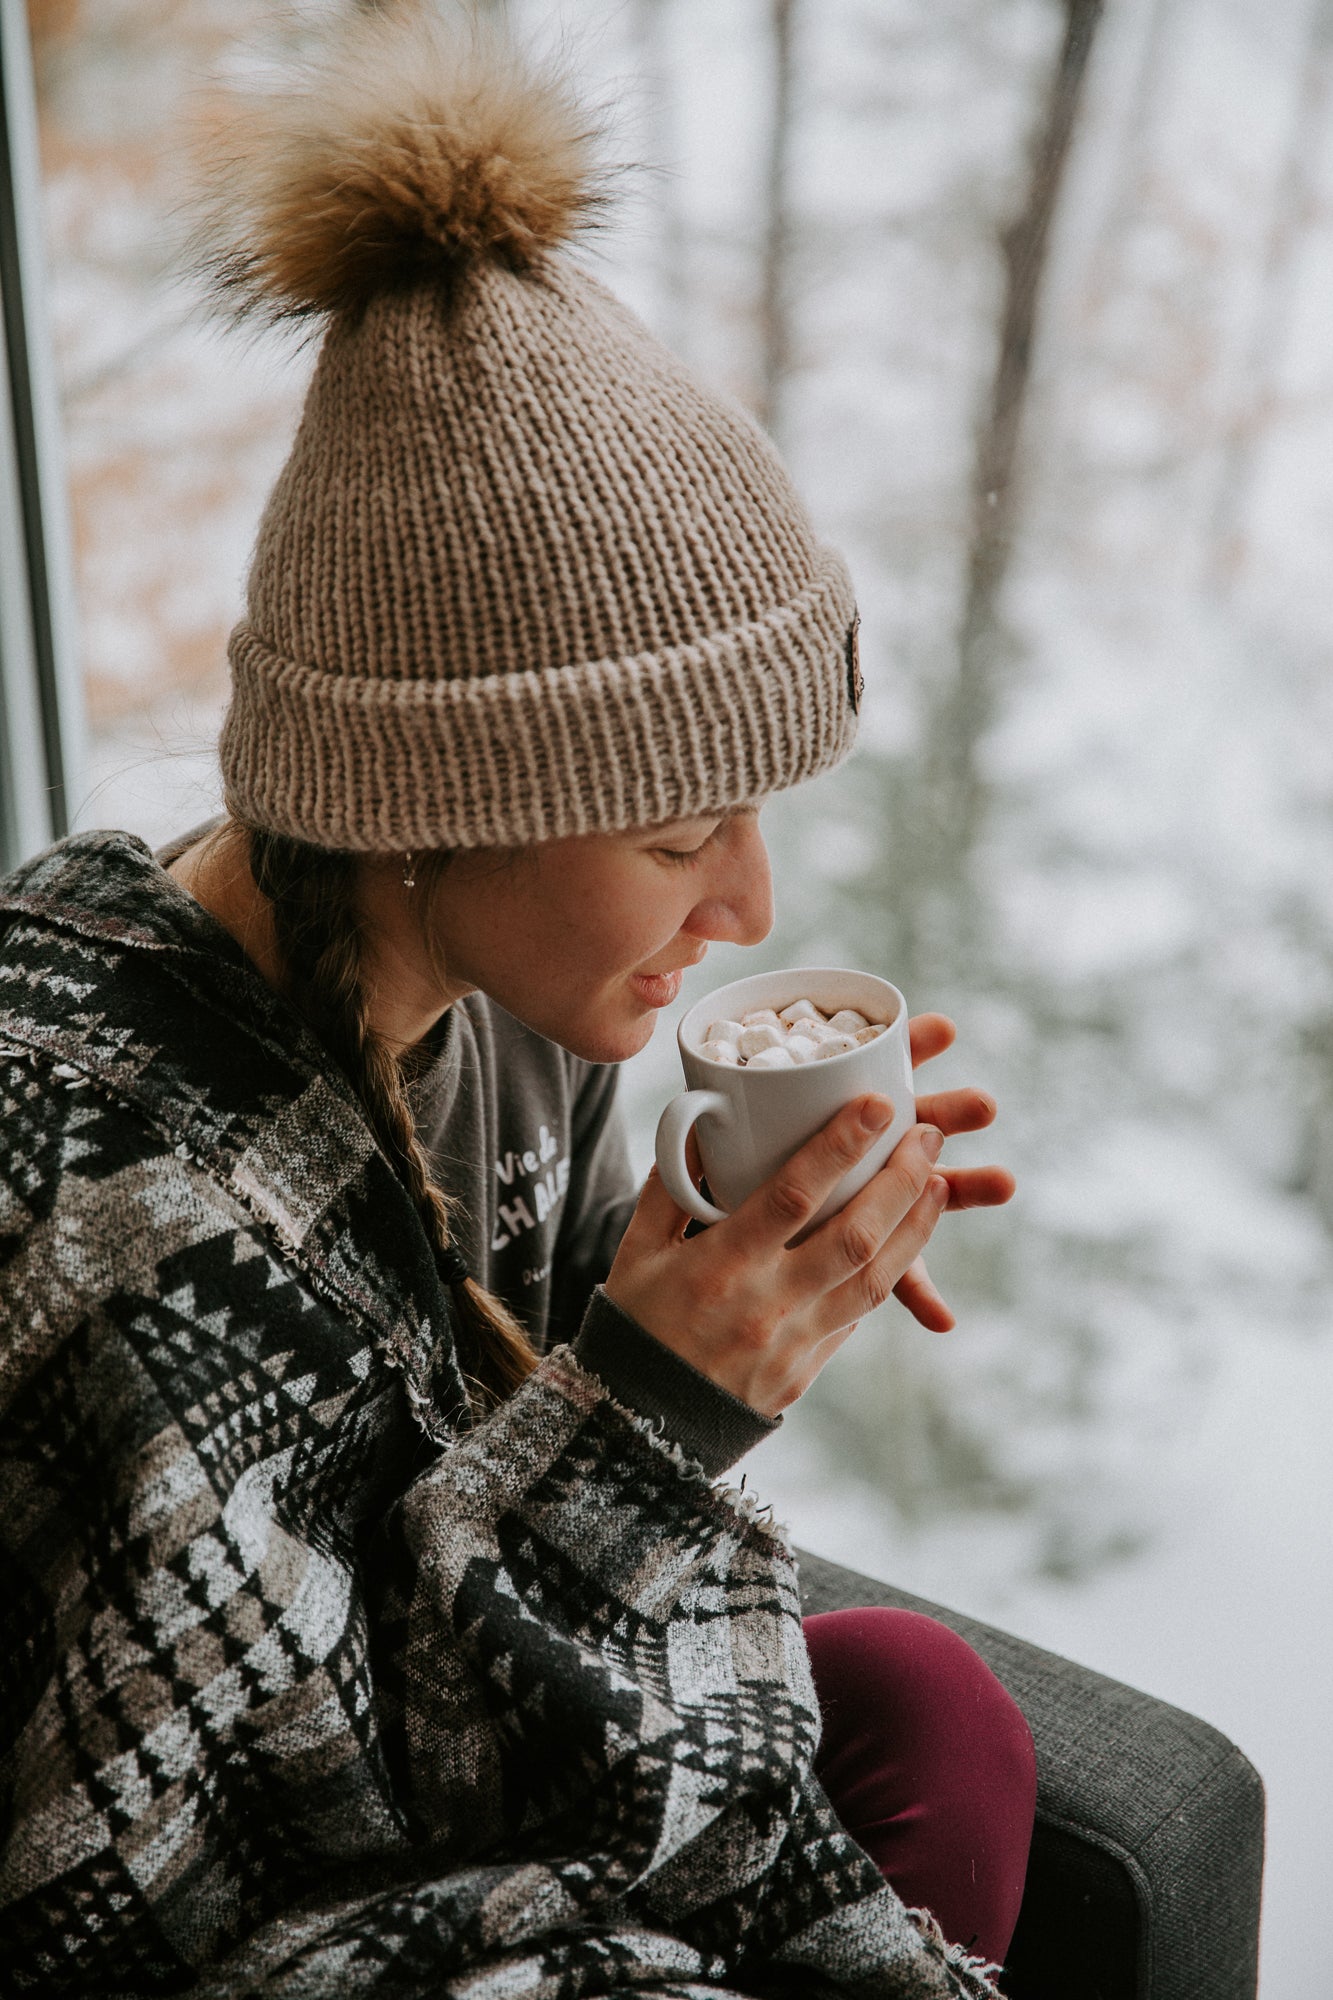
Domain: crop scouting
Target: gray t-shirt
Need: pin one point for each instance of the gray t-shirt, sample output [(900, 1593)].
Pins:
[(528, 1139)]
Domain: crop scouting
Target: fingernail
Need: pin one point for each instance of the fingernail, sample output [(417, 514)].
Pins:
[(931, 1141), (876, 1113), (939, 1191)]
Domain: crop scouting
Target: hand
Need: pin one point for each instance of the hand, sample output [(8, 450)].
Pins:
[(964, 1110), (746, 1305), (760, 1315)]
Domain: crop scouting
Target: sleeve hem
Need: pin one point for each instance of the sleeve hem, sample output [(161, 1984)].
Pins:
[(706, 1421)]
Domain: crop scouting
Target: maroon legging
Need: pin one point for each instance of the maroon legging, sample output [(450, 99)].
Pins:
[(929, 1765)]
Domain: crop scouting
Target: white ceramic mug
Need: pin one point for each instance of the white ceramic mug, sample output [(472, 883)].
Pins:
[(751, 1120)]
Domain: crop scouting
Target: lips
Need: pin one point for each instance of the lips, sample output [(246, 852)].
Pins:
[(659, 989)]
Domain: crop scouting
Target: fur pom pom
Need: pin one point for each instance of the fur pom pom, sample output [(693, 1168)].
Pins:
[(405, 144)]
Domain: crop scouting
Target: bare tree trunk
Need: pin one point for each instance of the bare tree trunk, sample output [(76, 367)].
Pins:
[(1296, 199), (955, 799), (775, 271)]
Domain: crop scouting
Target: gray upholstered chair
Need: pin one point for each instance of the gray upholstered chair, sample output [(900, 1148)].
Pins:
[(1148, 1852)]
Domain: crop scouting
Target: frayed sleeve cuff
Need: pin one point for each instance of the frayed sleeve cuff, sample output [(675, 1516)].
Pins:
[(708, 1422)]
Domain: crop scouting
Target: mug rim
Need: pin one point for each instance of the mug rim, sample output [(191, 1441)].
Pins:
[(810, 972)]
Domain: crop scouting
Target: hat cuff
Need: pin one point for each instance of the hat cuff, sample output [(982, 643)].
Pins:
[(377, 765)]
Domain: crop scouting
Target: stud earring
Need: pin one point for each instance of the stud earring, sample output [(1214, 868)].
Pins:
[(409, 871)]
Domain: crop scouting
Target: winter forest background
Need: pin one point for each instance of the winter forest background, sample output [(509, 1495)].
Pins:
[(1037, 296)]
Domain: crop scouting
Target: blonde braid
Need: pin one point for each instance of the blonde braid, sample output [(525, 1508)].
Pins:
[(321, 943)]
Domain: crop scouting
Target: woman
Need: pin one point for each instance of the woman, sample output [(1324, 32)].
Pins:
[(354, 1646)]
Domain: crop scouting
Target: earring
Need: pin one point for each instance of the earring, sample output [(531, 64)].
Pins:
[(409, 871)]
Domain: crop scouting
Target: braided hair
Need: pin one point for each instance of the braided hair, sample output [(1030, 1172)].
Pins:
[(321, 944)]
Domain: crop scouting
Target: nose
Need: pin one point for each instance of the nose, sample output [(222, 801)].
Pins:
[(739, 907)]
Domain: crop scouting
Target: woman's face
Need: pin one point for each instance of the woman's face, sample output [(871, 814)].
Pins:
[(584, 939)]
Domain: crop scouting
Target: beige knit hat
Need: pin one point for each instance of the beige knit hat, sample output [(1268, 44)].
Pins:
[(521, 576)]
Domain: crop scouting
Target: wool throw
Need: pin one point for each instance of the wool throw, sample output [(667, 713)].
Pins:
[(311, 1684)]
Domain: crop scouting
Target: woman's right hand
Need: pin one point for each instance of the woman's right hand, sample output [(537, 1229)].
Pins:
[(756, 1313)]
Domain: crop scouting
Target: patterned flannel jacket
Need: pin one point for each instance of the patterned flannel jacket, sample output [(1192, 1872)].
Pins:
[(312, 1686)]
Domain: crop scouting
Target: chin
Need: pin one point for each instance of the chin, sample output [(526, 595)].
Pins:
[(609, 1044)]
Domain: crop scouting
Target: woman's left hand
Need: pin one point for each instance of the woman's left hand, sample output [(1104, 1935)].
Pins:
[(964, 1110)]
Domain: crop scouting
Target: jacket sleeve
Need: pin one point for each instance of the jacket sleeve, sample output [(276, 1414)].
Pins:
[(600, 1686)]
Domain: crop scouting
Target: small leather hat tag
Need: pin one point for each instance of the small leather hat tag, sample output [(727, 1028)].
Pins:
[(855, 679)]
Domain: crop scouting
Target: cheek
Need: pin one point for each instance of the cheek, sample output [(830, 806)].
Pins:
[(579, 926), (650, 918), (615, 920)]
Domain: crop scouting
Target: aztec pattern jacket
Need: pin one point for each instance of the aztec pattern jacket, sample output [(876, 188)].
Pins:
[(310, 1685)]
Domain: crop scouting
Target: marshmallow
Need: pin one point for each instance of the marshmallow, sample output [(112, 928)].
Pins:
[(800, 1010), (764, 1036), (799, 1034), (818, 1031), (837, 1045)]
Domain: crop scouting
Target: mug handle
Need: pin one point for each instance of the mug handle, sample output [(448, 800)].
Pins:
[(672, 1129)]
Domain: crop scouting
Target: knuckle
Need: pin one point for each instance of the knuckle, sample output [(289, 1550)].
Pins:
[(859, 1242), (876, 1287), (847, 1141), (913, 1169), (788, 1201), (925, 1216)]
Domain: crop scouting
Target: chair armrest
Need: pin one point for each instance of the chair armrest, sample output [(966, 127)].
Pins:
[(1147, 1857)]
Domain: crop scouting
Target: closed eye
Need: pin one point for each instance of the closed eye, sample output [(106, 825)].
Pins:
[(683, 856)]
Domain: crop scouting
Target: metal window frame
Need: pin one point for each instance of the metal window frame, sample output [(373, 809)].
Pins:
[(43, 732)]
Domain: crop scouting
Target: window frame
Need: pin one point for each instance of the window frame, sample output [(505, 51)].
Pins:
[(43, 728)]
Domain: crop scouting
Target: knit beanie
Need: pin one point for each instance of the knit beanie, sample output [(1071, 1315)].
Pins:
[(521, 576)]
